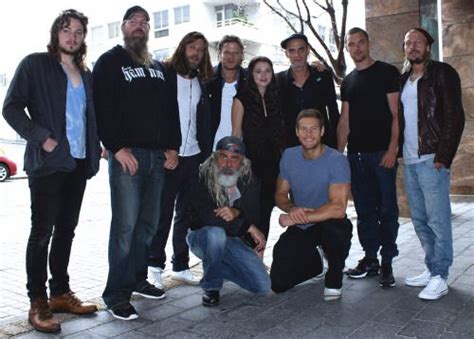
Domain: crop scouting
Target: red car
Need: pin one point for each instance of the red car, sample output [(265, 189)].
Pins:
[(7, 168)]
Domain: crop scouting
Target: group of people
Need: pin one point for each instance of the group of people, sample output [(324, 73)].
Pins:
[(221, 147)]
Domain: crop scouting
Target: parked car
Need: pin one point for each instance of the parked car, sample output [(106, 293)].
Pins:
[(7, 167)]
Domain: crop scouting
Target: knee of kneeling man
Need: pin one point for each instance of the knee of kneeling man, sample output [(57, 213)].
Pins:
[(279, 286), (216, 236)]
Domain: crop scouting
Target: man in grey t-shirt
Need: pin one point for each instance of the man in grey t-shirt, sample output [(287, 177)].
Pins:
[(319, 180)]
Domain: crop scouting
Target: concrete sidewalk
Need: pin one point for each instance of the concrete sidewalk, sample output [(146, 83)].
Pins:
[(365, 309)]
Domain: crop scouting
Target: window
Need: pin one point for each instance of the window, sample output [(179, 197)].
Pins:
[(161, 24), (114, 29), (97, 35), (161, 54), (181, 15), (3, 80), (225, 14)]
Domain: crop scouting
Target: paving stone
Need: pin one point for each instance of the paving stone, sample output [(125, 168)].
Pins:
[(78, 325), (117, 327), (161, 312), (183, 335), (464, 323), (395, 316), (188, 302), (85, 335), (422, 329), (166, 326), (376, 330)]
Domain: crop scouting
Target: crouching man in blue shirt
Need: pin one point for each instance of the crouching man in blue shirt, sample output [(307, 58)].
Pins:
[(319, 180)]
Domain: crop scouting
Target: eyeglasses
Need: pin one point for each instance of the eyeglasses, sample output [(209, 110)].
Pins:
[(140, 23)]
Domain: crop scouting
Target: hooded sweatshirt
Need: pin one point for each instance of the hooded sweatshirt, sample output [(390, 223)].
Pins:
[(135, 105)]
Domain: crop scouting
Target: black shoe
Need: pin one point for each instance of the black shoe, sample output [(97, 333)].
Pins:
[(124, 312), (386, 278), (210, 298), (151, 292), (366, 267)]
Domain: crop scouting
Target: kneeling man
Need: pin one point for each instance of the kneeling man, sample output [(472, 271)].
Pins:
[(319, 180), (224, 213)]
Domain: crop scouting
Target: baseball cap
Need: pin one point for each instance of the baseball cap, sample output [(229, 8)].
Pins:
[(293, 36), (133, 10), (231, 144)]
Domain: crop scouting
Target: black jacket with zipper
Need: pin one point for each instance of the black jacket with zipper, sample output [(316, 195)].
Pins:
[(40, 85)]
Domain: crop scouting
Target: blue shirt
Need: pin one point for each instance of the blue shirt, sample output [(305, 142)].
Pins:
[(310, 179), (76, 119)]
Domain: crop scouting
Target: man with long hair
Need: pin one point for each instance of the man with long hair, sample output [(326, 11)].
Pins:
[(224, 213), (432, 122), (138, 123), (62, 152), (189, 70)]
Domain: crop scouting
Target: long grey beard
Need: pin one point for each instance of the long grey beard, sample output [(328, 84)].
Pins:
[(227, 180)]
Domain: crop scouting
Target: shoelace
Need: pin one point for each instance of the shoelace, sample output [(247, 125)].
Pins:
[(43, 310), (71, 298)]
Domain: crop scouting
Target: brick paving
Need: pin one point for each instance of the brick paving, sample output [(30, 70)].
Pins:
[(365, 309)]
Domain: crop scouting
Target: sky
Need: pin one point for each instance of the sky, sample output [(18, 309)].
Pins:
[(25, 24)]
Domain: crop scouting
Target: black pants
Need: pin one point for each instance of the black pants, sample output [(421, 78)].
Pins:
[(178, 188), (55, 205), (295, 258)]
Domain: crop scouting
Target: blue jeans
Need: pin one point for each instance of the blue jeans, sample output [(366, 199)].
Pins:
[(428, 198), (135, 202), (375, 198), (228, 258)]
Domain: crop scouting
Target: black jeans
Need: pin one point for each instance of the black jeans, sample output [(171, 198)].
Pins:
[(55, 205), (176, 196), (295, 258)]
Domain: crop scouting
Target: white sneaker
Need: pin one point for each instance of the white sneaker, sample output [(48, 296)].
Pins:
[(332, 293), (155, 273), (420, 280), (324, 263), (436, 288), (187, 276)]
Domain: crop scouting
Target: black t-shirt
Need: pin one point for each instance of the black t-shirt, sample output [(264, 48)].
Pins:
[(370, 119)]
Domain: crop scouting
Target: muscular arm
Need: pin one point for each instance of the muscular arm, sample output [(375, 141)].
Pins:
[(334, 209), (237, 117), (390, 156), (343, 127)]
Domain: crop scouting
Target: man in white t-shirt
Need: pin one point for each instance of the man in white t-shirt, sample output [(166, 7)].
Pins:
[(432, 123), (189, 68), (229, 77)]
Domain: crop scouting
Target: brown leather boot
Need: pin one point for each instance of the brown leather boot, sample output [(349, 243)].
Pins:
[(69, 303), (41, 318)]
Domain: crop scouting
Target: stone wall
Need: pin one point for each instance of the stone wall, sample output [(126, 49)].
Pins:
[(387, 21)]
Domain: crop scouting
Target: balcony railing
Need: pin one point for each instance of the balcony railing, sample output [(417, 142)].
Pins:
[(234, 21)]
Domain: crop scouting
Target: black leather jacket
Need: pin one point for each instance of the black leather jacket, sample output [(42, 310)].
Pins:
[(440, 112)]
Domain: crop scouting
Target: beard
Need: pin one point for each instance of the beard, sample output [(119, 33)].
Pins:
[(72, 52), (227, 177), (417, 58), (138, 47)]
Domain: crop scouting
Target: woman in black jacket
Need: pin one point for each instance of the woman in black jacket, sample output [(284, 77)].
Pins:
[(257, 118)]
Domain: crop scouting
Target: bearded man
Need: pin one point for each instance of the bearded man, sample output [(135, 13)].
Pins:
[(224, 209), (138, 123), (189, 69), (432, 122)]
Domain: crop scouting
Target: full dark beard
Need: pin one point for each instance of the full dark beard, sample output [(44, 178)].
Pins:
[(137, 46)]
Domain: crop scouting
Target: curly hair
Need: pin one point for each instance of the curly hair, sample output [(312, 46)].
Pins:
[(64, 20), (178, 59)]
